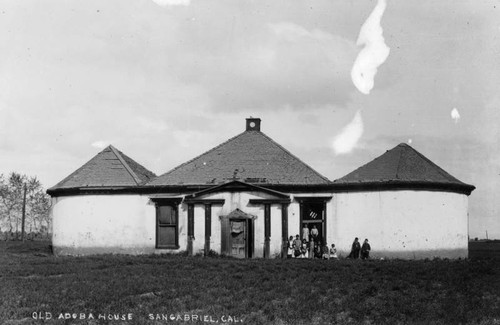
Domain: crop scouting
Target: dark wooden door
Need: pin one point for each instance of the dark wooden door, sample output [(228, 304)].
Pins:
[(238, 238)]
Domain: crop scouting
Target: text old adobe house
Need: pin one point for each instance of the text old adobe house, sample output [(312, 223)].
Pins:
[(246, 196)]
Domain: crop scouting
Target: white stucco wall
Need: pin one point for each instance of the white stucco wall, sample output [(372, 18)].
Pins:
[(294, 219), (94, 224), (199, 229), (276, 240), (404, 224), (215, 239)]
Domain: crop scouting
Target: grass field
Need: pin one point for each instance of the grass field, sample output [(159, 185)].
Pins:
[(484, 249), (252, 291)]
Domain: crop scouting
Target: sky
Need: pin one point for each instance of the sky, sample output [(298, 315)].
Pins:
[(165, 80)]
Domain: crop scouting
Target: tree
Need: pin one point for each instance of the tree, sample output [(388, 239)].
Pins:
[(37, 219)]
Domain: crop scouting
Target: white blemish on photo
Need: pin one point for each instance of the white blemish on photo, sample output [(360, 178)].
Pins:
[(349, 137), (374, 52), (455, 115)]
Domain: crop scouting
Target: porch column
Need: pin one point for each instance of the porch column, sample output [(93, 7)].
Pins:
[(267, 230), (190, 229), (284, 229), (208, 227)]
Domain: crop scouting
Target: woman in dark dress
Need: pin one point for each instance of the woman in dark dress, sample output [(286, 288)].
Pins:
[(356, 247)]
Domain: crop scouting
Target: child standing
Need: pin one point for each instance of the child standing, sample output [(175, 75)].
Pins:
[(303, 249), (289, 253), (333, 252), (326, 255)]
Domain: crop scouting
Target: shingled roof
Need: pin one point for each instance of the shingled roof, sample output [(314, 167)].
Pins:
[(403, 165), (109, 168), (251, 157)]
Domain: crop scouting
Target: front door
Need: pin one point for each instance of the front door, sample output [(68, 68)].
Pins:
[(238, 238)]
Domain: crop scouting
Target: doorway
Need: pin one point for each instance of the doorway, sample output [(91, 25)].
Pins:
[(238, 239), (237, 234), (313, 217)]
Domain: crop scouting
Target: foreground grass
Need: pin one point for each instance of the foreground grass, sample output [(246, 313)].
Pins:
[(256, 291)]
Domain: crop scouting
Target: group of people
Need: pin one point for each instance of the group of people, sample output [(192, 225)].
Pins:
[(357, 248), (311, 247)]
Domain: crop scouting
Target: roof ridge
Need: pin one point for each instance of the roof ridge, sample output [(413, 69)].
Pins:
[(138, 168), (204, 153), (124, 163), (399, 162), (77, 170), (439, 169), (293, 156)]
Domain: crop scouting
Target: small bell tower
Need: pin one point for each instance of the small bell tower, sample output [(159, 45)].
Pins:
[(253, 124)]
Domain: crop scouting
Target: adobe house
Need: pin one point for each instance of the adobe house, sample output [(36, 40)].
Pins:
[(246, 196)]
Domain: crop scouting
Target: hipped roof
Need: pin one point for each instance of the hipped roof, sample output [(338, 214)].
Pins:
[(109, 168), (403, 166), (251, 157)]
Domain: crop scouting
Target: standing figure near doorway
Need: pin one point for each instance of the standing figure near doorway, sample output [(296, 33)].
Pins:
[(289, 253), (305, 233), (297, 245), (314, 233), (303, 249), (356, 247)]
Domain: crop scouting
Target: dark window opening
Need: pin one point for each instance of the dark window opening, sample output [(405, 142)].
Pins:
[(167, 230)]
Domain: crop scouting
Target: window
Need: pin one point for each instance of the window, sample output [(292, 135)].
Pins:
[(167, 230), (313, 212)]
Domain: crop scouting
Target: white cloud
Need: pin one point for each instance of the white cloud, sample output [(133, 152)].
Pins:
[(349, 137), (455, 115), (165, 3), (374, 53)]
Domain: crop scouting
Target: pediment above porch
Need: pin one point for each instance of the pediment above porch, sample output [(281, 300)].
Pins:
[(238, 214), (260, 193)]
